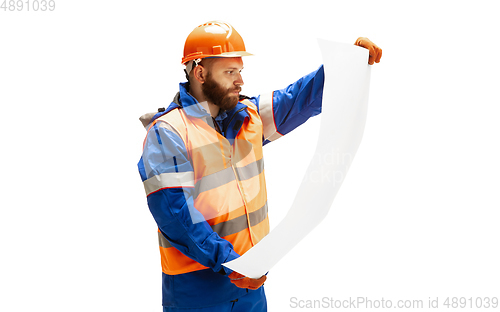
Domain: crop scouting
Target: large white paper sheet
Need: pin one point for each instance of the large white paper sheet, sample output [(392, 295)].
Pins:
[(345, 100)]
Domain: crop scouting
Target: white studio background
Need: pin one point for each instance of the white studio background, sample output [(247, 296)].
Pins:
[(416, 217)]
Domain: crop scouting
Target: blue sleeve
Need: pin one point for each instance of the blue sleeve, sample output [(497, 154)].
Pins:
[(172, 207), (295, 104)]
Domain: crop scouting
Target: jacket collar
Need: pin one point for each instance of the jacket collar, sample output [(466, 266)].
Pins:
[(190, 105), (234, 120)]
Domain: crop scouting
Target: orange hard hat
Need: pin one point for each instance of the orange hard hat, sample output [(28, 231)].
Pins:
[(213, 39)]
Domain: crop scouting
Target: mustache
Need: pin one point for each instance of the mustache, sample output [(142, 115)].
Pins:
[(235, 89)]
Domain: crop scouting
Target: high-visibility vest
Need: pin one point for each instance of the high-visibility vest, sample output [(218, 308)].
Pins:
[(228, 180)]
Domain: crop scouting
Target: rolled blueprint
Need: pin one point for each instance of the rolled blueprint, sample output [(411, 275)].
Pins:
[(345, 101)]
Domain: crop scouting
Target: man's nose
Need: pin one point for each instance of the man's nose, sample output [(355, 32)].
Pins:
[(239, 80)]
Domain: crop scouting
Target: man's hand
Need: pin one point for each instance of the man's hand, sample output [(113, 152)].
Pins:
[(374, 50), (242, 281)]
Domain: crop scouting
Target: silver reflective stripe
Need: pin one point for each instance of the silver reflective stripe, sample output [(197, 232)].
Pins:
[(229, 227), (225, 176), (267, 116), (171, 179), (163, 241), (251, 170), (258, 216), (214, 180)]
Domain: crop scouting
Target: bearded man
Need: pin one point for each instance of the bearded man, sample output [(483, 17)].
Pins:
[(203, 171)]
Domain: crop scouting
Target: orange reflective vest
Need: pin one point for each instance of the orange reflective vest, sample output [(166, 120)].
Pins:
[(228, 181)]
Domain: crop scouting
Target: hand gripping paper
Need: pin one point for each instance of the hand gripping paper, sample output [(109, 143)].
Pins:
[(345, 100)]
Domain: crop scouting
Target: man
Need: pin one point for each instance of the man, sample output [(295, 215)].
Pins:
[(203, 172)]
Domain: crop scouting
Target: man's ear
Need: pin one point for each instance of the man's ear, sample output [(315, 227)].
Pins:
[(200, 73)]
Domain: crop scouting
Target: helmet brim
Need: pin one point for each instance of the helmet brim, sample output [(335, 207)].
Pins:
[(225, 54)]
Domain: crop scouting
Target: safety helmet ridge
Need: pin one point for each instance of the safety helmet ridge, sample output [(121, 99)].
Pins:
[(213, 39)]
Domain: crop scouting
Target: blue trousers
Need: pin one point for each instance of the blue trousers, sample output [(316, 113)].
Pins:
[(254, 301)]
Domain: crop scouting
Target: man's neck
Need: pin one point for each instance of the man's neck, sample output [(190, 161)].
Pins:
[(210, 107)]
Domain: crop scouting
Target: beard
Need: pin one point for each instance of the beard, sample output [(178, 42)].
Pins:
[(217, 94)]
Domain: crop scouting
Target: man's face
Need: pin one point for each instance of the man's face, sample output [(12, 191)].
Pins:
[(223, 82)]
